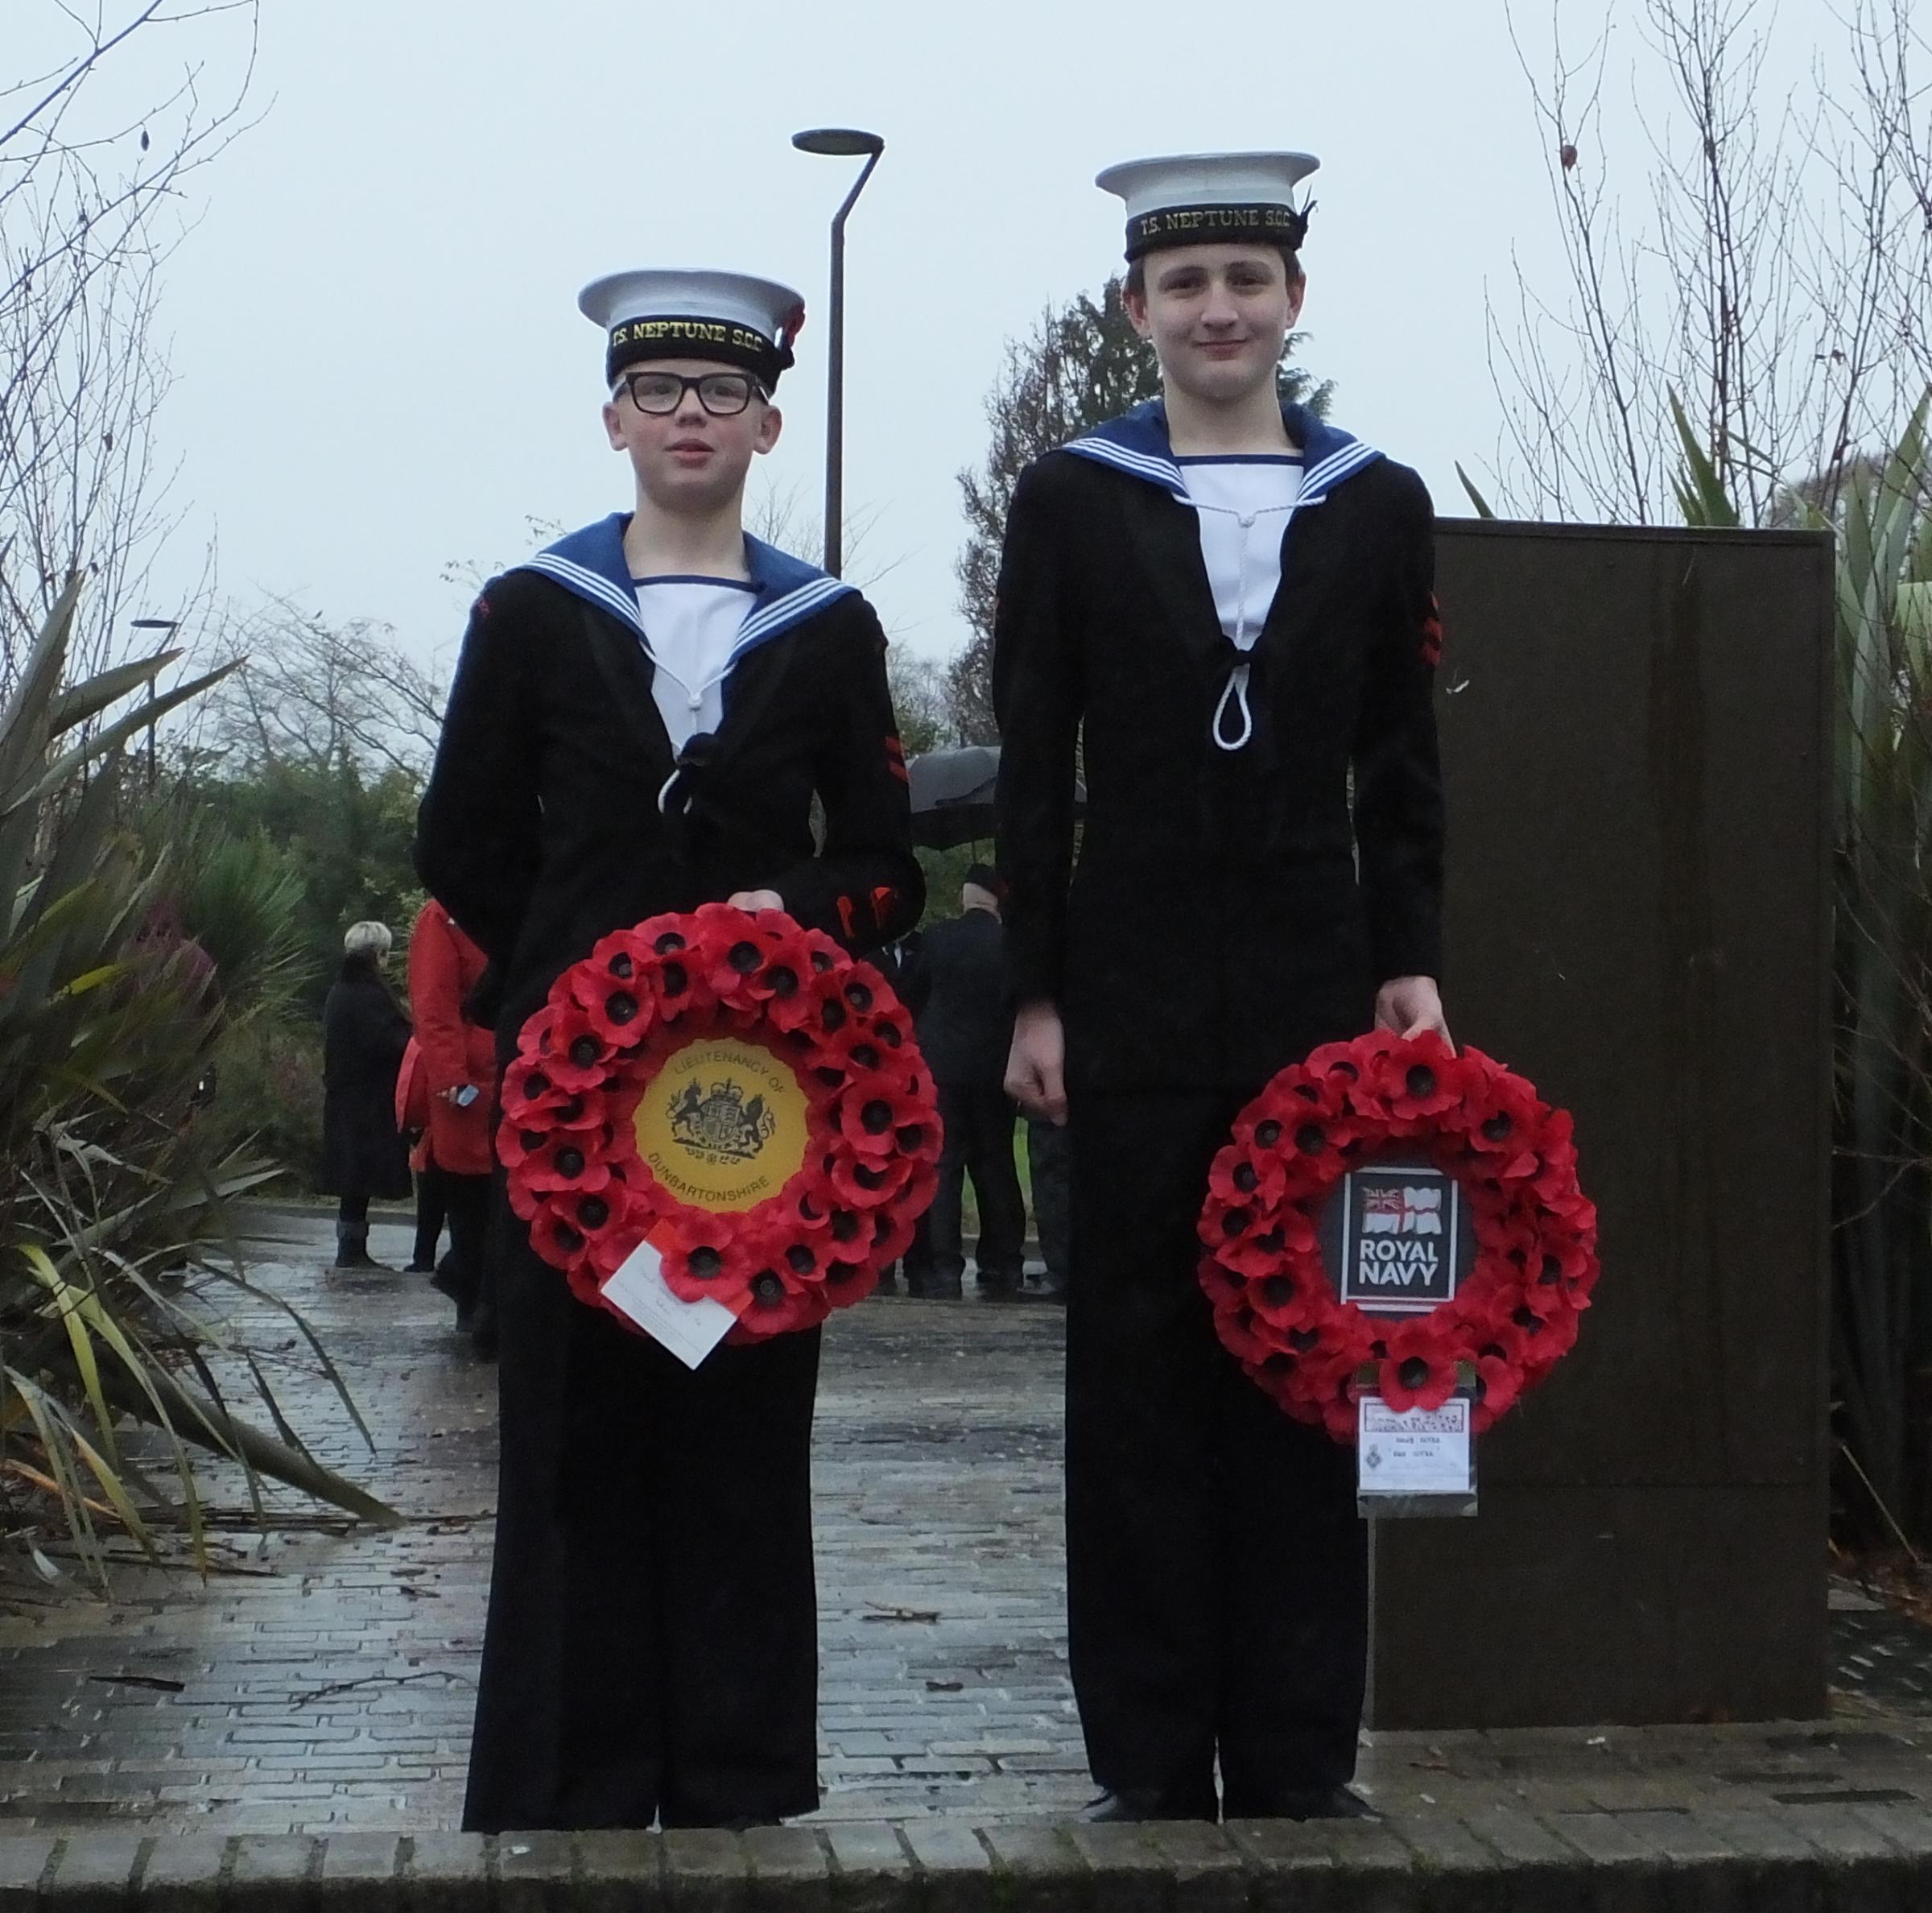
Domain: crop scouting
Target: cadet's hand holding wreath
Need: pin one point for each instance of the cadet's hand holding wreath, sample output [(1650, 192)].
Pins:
[(1410, 1006)]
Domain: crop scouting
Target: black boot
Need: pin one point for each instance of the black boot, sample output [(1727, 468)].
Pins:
[(352, 1247)]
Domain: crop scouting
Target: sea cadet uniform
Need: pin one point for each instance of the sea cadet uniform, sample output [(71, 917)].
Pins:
[(616, 747), (1242, 651)]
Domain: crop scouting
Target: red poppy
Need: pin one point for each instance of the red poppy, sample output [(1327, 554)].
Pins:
[(895, 1226), (530, 1090), (571, 1160), (554, 1234), (872, 1110), (519, 1142), (779, 1301), (1419, 1370), (1416, 1080), (1501, 1111), (860, 1182), (1244, 1333), (1338, 1064), (1498, 1383), (580, 1053), (1551, 1329), (705, 1256), (621, 1014), (1290, 1304), (1254, 1178), (800, 1010), (677, 975), (1288, 1236), (596, 1215)]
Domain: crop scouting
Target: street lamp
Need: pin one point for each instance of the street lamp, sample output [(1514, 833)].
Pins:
[(842, 142), (170, 626)]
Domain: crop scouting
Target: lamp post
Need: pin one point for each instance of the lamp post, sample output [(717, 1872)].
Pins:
[(170, 626), (845, 142)]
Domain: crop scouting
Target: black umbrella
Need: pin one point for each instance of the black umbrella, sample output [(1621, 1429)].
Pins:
[(952, 795)]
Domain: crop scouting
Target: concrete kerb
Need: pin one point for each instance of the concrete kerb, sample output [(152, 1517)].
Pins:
[(1823, 1860)]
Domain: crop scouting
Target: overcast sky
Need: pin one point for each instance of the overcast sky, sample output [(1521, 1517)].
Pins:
[(382, 369)]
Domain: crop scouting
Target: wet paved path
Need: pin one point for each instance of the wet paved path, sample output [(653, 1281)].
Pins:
[(325, 1678)]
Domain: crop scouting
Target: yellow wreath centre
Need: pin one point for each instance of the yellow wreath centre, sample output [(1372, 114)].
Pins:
[(723, 1124)]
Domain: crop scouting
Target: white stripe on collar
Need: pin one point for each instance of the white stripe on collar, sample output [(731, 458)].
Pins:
[(1137, 464), (784, 611), (588, 584), (787, 610), (1316, 485)]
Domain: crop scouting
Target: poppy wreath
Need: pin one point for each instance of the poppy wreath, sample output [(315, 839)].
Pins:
[(614, 1022), (1514, 1315)]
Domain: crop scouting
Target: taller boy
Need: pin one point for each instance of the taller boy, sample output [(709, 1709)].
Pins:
[(642, 717), (1225, 605)]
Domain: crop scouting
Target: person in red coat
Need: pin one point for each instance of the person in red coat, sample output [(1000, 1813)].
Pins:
[(459, 1064)]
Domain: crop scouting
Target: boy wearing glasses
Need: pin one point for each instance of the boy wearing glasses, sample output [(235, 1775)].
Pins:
[(642, 717), (1225, 604)]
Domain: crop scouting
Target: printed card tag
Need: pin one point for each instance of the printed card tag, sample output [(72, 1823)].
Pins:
[(691, 1330), (1421, 1451)]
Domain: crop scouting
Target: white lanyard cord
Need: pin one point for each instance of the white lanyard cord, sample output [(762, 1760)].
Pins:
[(1236, 686)]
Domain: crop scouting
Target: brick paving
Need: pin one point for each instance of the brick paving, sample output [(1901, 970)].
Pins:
[(321, 1679)]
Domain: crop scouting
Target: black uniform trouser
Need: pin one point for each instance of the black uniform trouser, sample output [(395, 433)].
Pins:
[(978, 1122), (1216, 1571), (432, 1211), (1046, 1162), (652, 1647), (466, 1201)]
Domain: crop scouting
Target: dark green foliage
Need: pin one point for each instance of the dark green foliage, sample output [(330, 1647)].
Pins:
[(115, 1190), (341, 834)]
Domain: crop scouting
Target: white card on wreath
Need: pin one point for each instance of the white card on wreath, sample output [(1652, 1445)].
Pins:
[(1417, 1451), (691, 1330)]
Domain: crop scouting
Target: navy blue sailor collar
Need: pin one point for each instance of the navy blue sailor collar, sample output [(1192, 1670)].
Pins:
[(1137, 443), (590, 563)]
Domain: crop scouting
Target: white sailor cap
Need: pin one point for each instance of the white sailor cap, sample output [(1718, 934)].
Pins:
[(1200, 198), (674, 312)]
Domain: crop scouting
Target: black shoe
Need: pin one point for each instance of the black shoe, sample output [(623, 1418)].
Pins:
[(1118, 1806), (999, 1288), (934, 1288), (1302, 1803), (419, 1268)]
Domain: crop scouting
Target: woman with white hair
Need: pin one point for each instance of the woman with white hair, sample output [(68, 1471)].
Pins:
[(365, 1032)]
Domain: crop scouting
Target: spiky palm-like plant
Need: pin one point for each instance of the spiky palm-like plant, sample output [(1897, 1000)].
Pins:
[(106, 1014)]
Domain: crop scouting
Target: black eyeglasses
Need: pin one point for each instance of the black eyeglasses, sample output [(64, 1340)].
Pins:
[(723, 394)]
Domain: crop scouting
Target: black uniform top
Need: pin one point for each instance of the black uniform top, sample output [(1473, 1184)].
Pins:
[(956, 988), (557, 811), (1231, 908)]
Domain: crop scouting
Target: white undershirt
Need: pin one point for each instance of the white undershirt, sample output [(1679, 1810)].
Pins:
[(691, 628), (1244, 506)]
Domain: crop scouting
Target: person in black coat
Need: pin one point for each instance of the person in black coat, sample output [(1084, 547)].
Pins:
[(365, 1031), (956, 989), (1224, 605), (641, 719)]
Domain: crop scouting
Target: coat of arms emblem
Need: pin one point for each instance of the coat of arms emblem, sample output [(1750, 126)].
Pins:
[(721, 1124)]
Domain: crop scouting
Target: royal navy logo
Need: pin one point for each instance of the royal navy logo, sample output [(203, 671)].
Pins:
[(721, 1124), (1396, 1237)]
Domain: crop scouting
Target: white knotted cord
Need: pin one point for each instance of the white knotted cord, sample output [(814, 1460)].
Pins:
[(1236, 687)]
